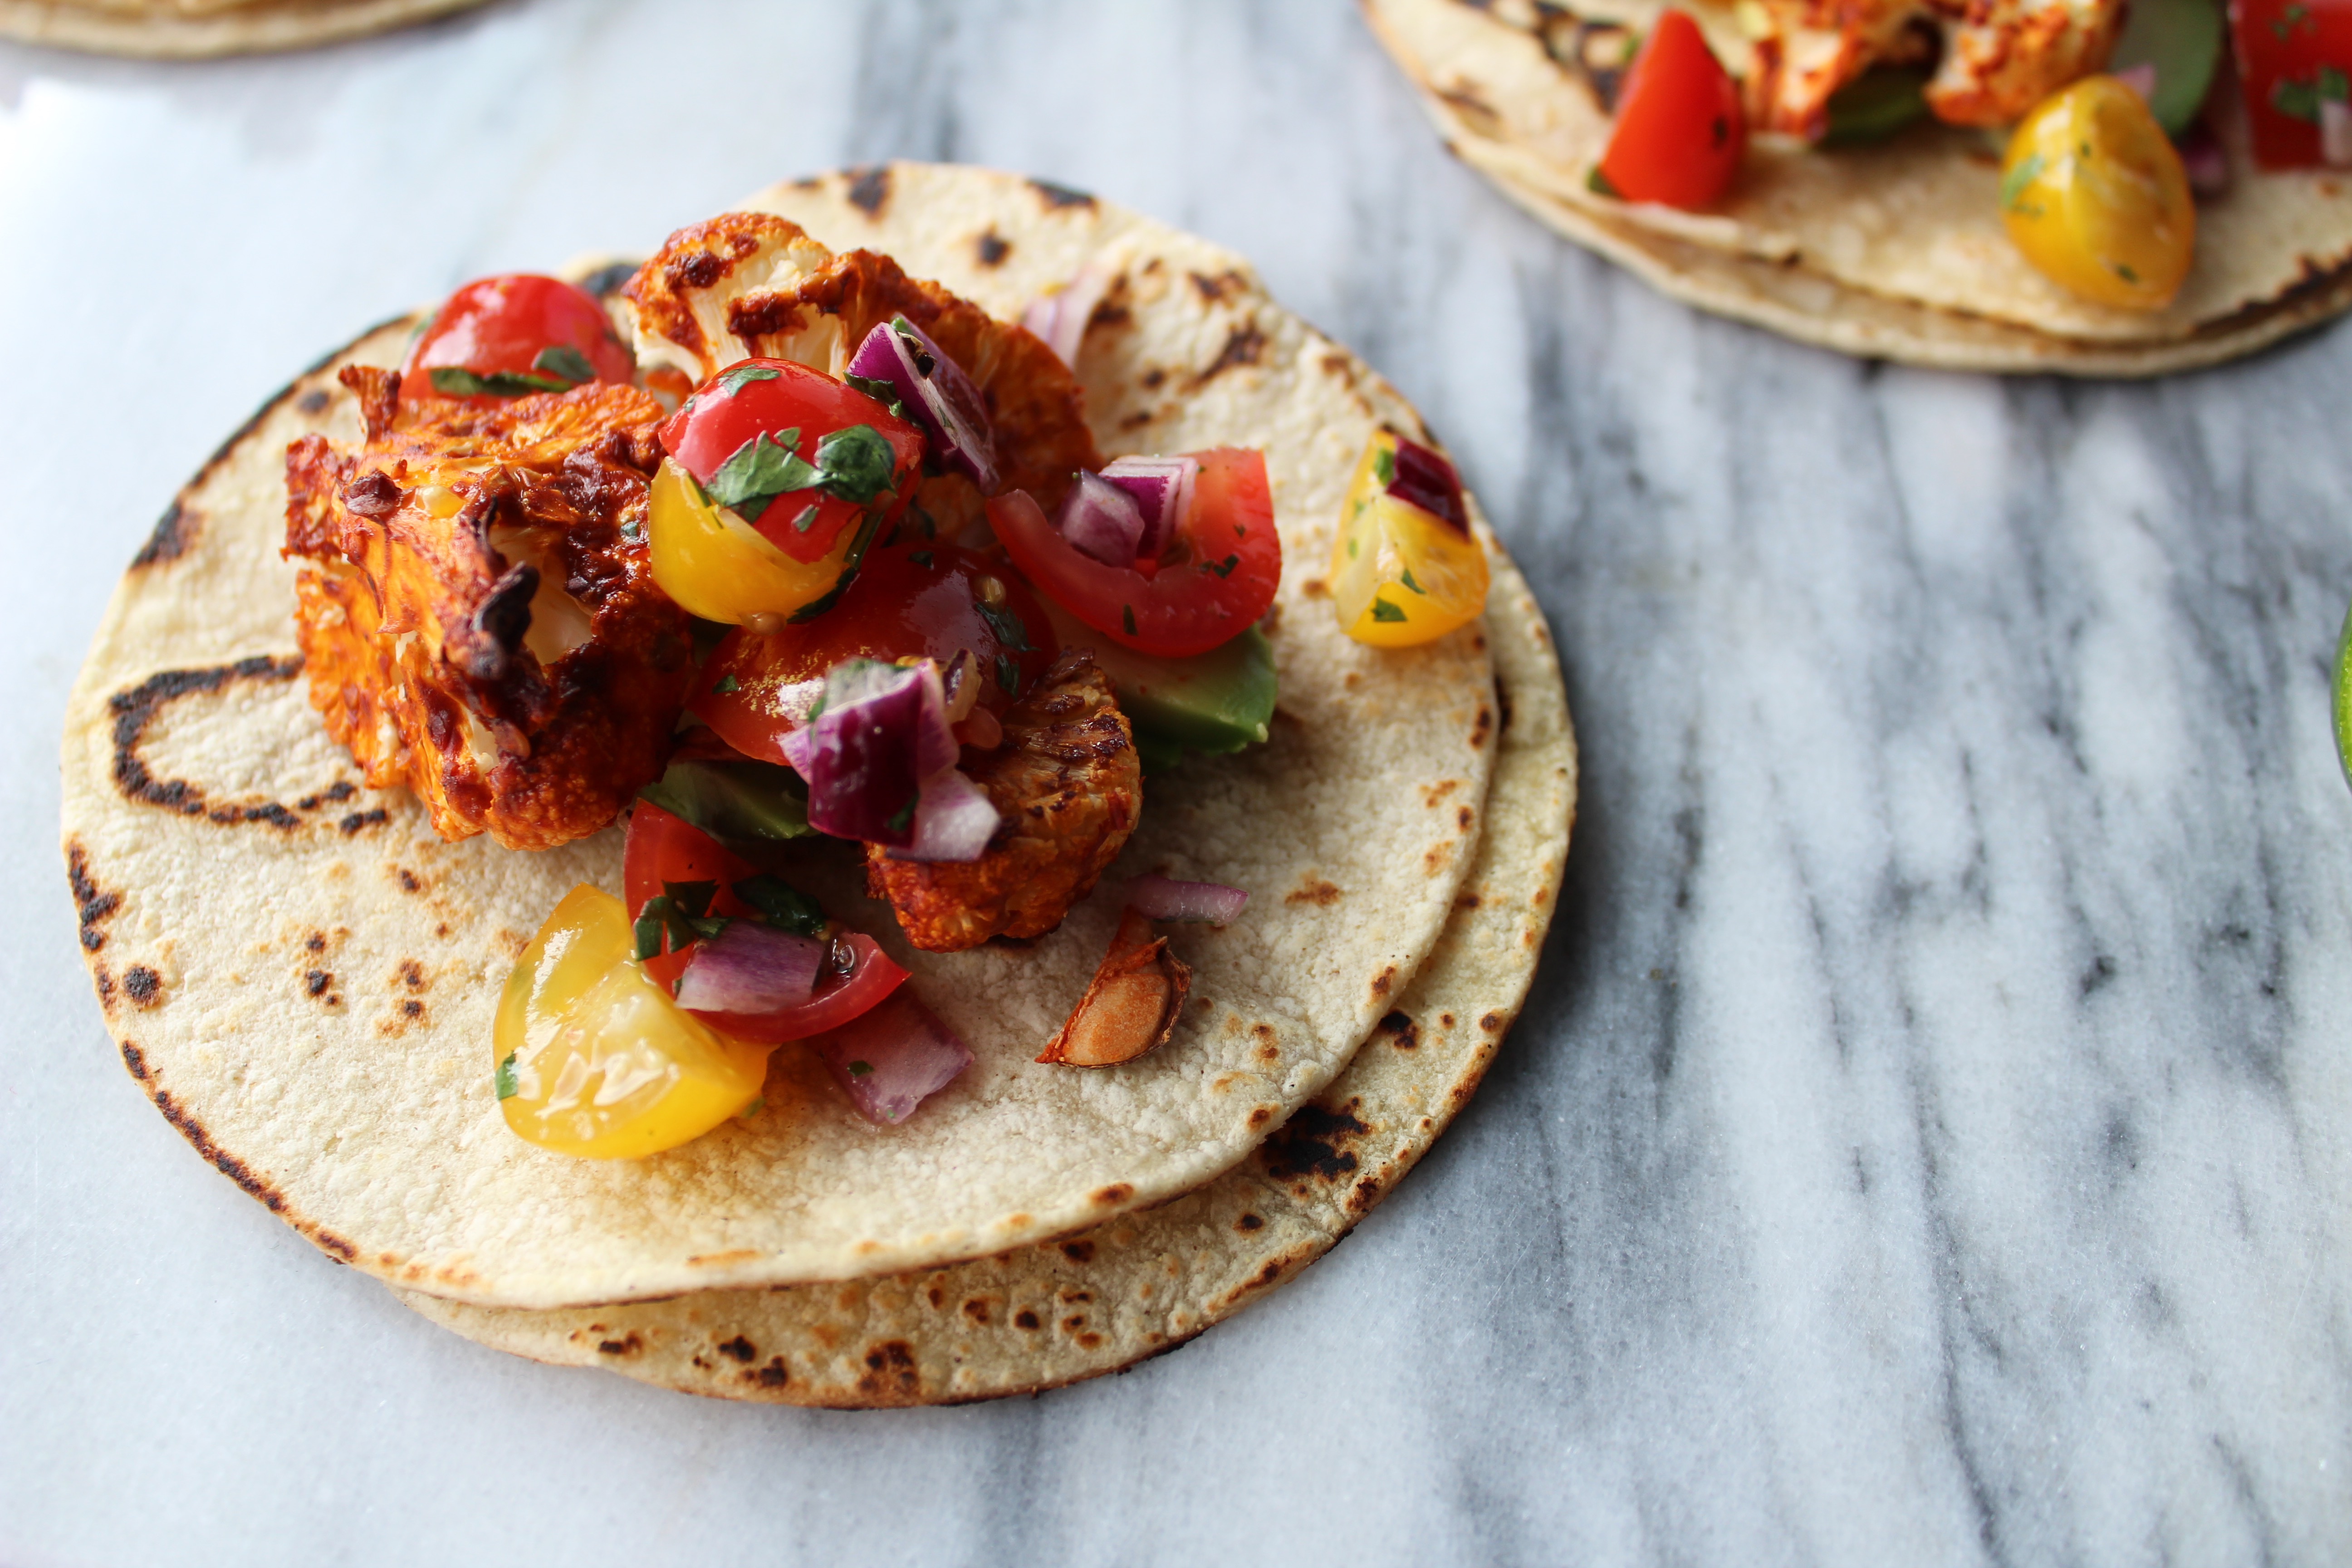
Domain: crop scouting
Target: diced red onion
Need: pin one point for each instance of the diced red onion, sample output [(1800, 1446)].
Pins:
[(1101, 520), (954, 820), (1163, 899), (1163, 488), (2140, 79), (750, 968), (1061, 318), (891, 1058), (943, 401), (2204, 161), (1427, 480), (2336, 133), (883, 730)]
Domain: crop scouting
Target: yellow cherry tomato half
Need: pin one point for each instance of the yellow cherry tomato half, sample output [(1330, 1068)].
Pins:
[(2094, 194), (594, 1058), (717, 566), (1405, 568)]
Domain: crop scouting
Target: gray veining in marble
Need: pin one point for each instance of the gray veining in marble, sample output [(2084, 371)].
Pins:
[(1930, 1137)]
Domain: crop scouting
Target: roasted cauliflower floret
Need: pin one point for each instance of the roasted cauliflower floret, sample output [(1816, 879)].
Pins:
[(1067, 785), (475, 608), (748, 284), (1995, 59)]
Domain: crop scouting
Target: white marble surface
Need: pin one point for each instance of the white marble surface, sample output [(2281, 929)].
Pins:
[(1930, 1137)]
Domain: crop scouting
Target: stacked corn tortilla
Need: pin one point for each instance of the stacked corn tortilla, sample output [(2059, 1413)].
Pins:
[(301, 974)]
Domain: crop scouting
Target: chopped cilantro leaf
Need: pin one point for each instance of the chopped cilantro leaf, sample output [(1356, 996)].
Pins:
[(503, 1081), (1598, 183), (806, 520), (1354, 549), (920, 557), (1384, 611), (455, 380), (2124, 271), (760, 470), (885, 393), (2013, 184), (856, 464), (693, 897), (759, 1103), (632, 530), (563, 360), (902, 818), (786, 906), (1126, 618), (859, 1069), (849, 565), (1005, 623), (727, 683), (649, 928), (1407, 581), (1384, 464), (731, 382), (1008, 675), (1225, 568)]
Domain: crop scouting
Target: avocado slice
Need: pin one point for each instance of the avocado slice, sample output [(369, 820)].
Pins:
[(745, 806), (1215, 702), (2182, 39), (1875, 106)]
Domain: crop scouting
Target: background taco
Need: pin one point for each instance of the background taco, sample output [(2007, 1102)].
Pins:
[(1895, 249)]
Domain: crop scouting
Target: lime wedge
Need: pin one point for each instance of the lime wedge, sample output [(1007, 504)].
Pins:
[(2344, 698)]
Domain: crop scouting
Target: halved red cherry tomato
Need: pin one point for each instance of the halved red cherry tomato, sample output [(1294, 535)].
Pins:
[(840, 996), (916, 599), (2294, 58), (663, 848), (768, 397), (666, 848), (510, 336), (1216, 579), (1680, 132)]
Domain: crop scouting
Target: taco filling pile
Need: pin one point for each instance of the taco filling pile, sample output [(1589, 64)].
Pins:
[(830, 553), (926, 718)]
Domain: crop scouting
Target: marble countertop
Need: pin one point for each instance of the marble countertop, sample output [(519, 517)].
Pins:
[(1930, 1139)]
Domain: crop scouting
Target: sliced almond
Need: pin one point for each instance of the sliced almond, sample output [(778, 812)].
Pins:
[(1132, 1005)]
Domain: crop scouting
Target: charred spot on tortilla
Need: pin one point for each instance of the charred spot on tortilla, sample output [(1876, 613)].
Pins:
[(1058, 196), (173, 533), (1314, 1142), (93, 905), (136, 708), (1402, 1031), (869, 190), (142, 986), (992, 247), (1213, 287), (1243, 345)]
